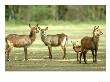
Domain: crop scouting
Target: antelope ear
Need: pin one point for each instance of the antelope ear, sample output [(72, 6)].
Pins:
[(101, 33), (46, 28), (30, 25), (39, 28), (72, 42), (94, 27)]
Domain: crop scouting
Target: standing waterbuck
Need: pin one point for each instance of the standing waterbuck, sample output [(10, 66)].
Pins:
[(54, 41), (20, 41), (90, 43)]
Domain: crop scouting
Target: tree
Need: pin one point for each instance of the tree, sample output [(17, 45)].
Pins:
[(55, 13)]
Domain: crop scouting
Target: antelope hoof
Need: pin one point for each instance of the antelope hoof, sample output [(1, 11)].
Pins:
[(85, 62), (95, 62), (50, 57), (80, 62), (26, 59), (77, 60), (64, 58)]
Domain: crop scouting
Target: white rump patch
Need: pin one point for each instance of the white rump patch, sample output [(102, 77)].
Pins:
[(64, 41), (10, 43)]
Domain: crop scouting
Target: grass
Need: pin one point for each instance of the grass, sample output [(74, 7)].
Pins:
[(38, 52)]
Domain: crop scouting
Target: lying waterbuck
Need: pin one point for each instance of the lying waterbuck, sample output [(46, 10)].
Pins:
[(76, 48), (53, 41), (20, 41), (90, 43)]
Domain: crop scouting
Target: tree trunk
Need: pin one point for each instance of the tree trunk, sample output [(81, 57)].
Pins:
[(55, 14)]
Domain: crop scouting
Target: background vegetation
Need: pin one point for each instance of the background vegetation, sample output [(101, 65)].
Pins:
[(54, 13)]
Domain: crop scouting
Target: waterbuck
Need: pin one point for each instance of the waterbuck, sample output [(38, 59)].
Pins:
[(20, 41), (76, 48), (54, 41), (90, 43)]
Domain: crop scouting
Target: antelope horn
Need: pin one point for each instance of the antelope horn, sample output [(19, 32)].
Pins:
[(97, 27), (37, 25), (30, 25)]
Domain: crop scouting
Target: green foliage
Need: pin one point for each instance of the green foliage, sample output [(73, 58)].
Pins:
[(54, 13), (41, 13)]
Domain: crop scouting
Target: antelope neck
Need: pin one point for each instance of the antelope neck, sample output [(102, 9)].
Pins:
[(43, 36), (32, 36), (95, 39)]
